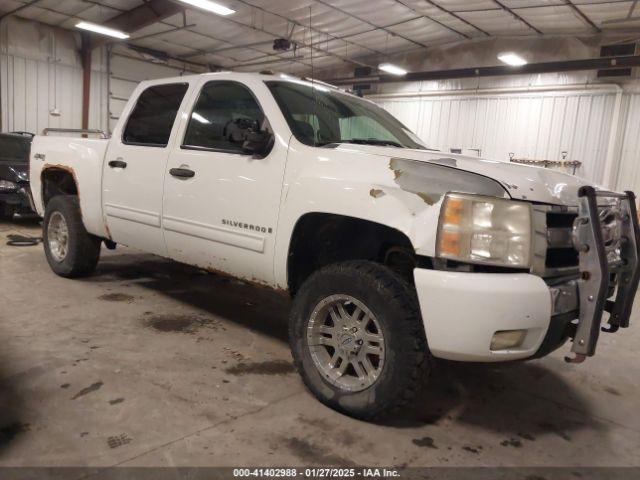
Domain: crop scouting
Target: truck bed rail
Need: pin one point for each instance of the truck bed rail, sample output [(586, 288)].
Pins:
[(82, 131)]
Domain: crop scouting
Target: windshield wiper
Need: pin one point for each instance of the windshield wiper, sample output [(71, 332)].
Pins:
[(372, 141)]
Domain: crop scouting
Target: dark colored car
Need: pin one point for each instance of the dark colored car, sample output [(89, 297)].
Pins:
[(14, 173)]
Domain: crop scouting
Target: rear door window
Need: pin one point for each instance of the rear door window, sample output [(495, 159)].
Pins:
[(152, 118)]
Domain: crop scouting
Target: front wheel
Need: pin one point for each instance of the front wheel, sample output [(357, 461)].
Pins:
[(70, 250), (357, 338)]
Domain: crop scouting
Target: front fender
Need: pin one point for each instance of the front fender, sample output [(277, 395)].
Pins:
[(405, 195)]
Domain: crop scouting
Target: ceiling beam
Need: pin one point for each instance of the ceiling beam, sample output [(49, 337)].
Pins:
[(266, 54), (311, 45), (308, 27), (169, 30), (455, 15), (582, 15), (215, 51), (517, 17), (400, 2), (378, 27), (144, 15), (20, 8), (621, 61), (628, 18), (150, 12)]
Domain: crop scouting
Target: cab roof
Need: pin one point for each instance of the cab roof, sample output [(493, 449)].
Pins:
[(263, 76)]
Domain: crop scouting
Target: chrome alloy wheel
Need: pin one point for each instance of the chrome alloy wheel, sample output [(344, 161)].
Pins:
[(58, 236), (346, 342)]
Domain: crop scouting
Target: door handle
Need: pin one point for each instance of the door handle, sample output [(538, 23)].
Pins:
[(118, 164), (182, 172)]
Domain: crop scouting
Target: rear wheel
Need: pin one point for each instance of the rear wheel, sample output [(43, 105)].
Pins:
[(70, 250), (357, 338)]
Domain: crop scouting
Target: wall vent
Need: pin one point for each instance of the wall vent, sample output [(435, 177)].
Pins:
[(615, 50)]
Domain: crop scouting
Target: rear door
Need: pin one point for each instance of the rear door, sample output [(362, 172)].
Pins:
[(224, 216), (135, 165)]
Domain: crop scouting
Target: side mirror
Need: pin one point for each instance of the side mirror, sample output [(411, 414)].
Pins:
[(258, 143)]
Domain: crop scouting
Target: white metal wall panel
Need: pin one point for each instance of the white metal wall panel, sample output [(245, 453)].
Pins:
[(41, 79), (124, 75), (629, 170), (532, 125)]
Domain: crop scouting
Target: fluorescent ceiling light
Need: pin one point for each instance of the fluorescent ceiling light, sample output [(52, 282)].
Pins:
[(392, 69), (92, 27), (209, 6), (512, 59), (200, 118)]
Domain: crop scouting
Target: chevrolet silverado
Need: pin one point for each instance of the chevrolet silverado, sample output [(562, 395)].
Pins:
[(394, 253)]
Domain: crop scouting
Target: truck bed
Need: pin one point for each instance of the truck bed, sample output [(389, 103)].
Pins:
[(83, 159)]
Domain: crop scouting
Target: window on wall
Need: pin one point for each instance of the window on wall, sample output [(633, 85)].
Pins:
[(223, 115), (152, 118)]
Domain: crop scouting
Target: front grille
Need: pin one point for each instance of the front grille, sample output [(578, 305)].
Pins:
[(560, 252), (561, 258), (560, 255)]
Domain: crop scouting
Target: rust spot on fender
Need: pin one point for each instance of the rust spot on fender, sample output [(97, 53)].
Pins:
[(376, 193), (66, 168), (71, 171)]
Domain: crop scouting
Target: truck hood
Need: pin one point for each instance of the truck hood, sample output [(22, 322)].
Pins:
[(522, 182)]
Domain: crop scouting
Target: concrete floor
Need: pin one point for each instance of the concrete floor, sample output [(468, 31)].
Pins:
[(152, 363)]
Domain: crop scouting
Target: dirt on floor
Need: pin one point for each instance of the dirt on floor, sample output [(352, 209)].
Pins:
[(150, 362)]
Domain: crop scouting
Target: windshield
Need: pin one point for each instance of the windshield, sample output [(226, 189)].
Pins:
[(319, 116)]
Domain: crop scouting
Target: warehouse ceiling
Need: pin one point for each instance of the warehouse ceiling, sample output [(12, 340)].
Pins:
[(342, 32)]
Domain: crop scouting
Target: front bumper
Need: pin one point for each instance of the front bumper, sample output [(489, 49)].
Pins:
[(18, 201), (462, 311), (598, 240)]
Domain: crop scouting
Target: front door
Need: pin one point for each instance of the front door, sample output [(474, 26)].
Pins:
[(221, 204), (134, 168)]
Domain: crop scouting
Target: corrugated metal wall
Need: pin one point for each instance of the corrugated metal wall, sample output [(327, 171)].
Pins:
[(532, 125), (125, 74), (628, 175), (41, 79)]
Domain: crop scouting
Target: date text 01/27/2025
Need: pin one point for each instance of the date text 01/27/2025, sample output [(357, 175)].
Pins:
[(318, 472)]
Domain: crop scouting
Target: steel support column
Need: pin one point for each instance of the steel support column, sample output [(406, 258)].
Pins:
[(85, 54)]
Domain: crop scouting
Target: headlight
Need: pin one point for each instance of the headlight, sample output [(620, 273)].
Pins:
[(7, 186), (487, 230)]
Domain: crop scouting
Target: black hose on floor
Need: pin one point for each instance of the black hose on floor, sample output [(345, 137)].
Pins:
[(23, 241)]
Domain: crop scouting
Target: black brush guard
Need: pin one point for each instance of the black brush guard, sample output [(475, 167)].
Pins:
[(595, 274)]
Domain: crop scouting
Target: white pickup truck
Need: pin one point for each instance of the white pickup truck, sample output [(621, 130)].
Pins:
[(394, 253)]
